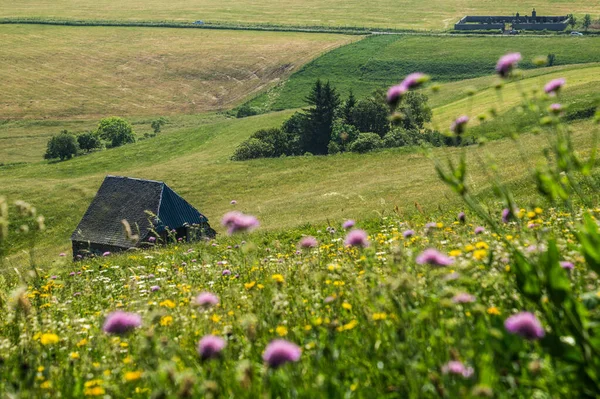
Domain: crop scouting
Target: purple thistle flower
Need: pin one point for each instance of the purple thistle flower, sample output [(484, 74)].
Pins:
[(226, 272), (150, 275), (120, 322), (567, 265), (554, 86), (434, 258), (555, 108), (463, 297), (459, 125), (72, 274), (479, 230), (206, 299), (430, 226), (348, 224), (507, 215), (280, 351), (154, 288), (457, 368), (395, 93), (526, 325), (308, 242), (414, 80), (461, 217), (106, 253), (329, 299), (62, 254), (408, 233), (236, 221), (151, 239), (507, 63), (233, 202), (210, 347), (357, 238)]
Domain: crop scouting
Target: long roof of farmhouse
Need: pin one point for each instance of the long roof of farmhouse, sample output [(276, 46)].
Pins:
[(135, 200)]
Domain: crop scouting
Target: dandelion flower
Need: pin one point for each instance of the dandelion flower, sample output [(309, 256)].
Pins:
[(434, 258), (280, 351), (210, 347), (120, 322), (357, 238), (526, 325)]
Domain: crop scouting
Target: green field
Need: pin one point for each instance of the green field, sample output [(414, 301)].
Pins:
[(82, 72), (405, 14), (381, 61)]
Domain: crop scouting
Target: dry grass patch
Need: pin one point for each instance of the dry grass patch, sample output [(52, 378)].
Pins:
[(66, 72)]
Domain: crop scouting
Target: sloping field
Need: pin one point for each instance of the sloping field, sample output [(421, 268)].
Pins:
[(380, 61), (281, 192), (407, 14), (83, 72)]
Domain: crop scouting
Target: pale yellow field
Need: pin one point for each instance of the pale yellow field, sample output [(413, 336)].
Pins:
[(83, 72), (408, 14)]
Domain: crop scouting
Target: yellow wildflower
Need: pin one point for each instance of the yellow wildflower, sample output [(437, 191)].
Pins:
[(278, 278), (128, 360), (166, 321), (455, 252), (74, 355), (133, 375), (281, 331), (260, 286), (507, 268), (379, 316), (480, 254), (538, 210), (49, 339), (494, 311), (531, 214), (481, 245), (167, 303), (95, 391), (82, 342), (307, 327), (347, 306), (92, 383), (215, 318), (348, 326), (469, 248), (230, 313), (250, 285), (46, 385)]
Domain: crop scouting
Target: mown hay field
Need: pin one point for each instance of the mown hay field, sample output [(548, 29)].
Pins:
[(405, 14), (82, 72)]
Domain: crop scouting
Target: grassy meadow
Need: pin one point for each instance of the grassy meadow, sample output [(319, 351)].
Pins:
[(53, 72), (383, 60), (404, 14)]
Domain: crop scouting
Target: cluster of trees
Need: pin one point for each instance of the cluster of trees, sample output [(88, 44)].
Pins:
[(586, 23), (111, 132), (330, 126)]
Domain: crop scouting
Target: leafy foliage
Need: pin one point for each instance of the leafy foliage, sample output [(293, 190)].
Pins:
[(63, 146), (117, 131), (89, 141)]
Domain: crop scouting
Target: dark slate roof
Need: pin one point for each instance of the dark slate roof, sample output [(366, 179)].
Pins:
[(126, 198)]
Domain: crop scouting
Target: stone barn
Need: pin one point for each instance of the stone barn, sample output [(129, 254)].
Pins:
[(152, 211)]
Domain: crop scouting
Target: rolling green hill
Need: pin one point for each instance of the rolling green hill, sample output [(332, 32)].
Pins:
[(382, 60)]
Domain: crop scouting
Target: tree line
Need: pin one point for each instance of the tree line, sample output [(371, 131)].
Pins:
[(331, 126), (111, 132)]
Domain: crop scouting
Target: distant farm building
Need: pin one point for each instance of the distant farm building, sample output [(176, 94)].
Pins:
[(516, 22), (153, 212)]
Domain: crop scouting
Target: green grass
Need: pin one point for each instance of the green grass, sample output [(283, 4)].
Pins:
[(406, 14), (56, 72), (380, 61)]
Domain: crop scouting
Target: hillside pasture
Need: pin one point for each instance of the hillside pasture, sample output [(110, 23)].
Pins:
[(282, 192), (383, 60), (403, 14), (82, 72)]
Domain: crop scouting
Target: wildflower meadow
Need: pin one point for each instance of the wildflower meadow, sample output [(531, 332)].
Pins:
[(497, 298)]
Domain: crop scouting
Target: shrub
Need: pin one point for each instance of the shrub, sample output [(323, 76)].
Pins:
[(246, 110), (117, 131), (366, 142), (157, 124), (63, 146), (343, 134), (371, 115), (89, 141), (414, 110), (333, 148), (283, 143), (251, 149)]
